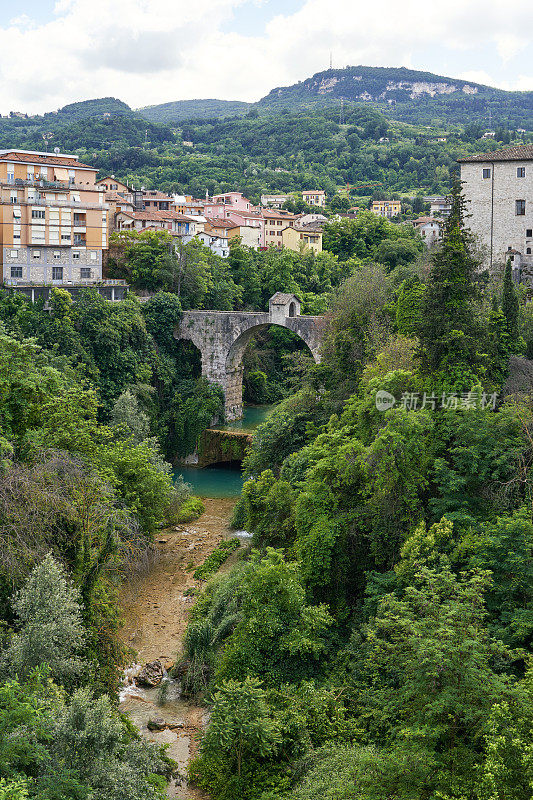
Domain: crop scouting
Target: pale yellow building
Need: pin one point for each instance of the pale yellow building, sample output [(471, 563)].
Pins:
[(386, 208), (315, 197), (53, 219), (303, 237), (275, 222)]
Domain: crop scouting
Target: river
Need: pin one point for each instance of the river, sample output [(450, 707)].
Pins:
[(223, 480), (156, 607)]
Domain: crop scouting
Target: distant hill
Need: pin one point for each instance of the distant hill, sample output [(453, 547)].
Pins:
[(181, 110), (408, 95), (103, 106)]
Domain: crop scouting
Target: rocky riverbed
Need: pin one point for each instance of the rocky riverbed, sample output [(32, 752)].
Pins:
[(156, 609)]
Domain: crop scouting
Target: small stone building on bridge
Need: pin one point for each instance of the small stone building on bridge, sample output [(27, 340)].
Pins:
[(222, 337)]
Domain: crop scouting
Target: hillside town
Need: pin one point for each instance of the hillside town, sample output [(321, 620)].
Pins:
[(266, 401), (57, 217)]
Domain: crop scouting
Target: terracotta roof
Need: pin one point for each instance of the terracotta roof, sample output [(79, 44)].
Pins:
[(116, 197), (220, 223), (277, 214), (311, 227), (522, 152), (157, 216), (153, 194), (51, 160), (253, 215), (424, 220), (313, 191)]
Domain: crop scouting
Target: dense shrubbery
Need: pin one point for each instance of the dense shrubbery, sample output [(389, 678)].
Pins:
[(381, 649)]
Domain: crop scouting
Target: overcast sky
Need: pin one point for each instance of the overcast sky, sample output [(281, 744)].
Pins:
[(144, 52)]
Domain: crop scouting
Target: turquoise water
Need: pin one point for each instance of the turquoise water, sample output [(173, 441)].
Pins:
[(223, 480), (252, 417)]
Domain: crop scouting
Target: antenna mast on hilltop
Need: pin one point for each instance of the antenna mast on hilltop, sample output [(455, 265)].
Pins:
[(330, 60)]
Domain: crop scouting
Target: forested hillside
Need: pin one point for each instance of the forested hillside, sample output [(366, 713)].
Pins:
[(409, 95), (179, 110)]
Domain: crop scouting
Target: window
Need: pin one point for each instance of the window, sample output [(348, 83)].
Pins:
[(65, 237), (16, 272), (528, 251), (16, 211), (85, 272), (520, 208), (486, 173), (36, 253), (57, 273), (520, 172), (14, 253), (57, 254), (76, 256), (93, 255), (37, 213), (529, 233), (14, 197)]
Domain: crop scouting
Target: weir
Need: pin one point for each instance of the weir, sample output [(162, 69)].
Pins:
[(222, 336)]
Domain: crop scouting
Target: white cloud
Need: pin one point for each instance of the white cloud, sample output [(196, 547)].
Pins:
[(151, 51)]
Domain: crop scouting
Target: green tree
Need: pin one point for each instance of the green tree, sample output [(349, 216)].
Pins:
[(410, 305), (510, 309), (241, 725), (426, 679), (450, 331), (51, 631)]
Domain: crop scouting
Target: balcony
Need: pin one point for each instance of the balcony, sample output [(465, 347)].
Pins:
[(57, 204)]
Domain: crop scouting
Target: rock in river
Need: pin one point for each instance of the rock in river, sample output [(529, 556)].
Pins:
[(150, 675)]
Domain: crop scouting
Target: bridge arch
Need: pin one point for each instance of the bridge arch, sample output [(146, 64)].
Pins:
[(235, 368), (222, 337)]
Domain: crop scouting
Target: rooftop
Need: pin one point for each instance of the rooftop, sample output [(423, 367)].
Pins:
[(36, 157), (280, 298), (522, 152)]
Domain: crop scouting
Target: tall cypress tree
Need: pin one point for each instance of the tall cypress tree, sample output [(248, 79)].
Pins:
[(510, 307), (450, 330)]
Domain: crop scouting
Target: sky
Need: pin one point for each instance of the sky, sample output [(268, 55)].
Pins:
[(146, 52)]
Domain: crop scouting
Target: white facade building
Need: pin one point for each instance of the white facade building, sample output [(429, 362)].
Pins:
[(498, 188)]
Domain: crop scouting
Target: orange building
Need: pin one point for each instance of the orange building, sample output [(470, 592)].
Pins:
[(53, 219)]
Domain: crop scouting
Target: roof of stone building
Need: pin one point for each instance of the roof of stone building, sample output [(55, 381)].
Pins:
[(280, 298), (522, 152)]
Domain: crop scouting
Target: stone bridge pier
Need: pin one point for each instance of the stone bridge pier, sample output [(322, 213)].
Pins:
[(222, 337)]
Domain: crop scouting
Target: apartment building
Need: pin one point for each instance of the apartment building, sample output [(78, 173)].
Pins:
[(386, 208), (170, 221), (275, 222), (53, 219), (112, 184), (154, 200), (315, 198), (498, 189)]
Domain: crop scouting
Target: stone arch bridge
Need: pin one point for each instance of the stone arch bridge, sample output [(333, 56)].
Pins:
[(222, 336)]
